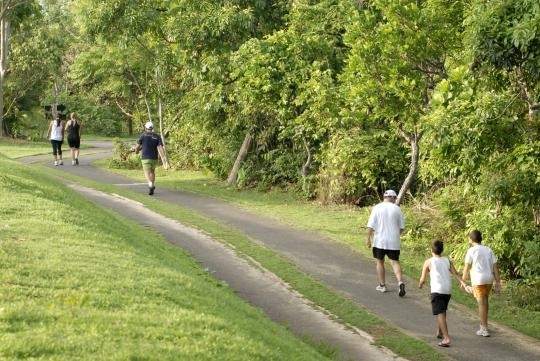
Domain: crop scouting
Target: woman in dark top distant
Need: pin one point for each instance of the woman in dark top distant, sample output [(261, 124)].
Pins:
[(73, 130)]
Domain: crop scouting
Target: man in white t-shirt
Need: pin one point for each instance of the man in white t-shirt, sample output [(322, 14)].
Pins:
[(482, 264), (385, 225)]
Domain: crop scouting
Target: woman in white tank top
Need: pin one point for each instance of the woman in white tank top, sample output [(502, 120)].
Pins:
[(56, 136)]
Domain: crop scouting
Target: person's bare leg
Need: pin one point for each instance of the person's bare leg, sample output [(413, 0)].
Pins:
[(150, 177), (396, 267), (443, 327), (380, 271), (483, 308)]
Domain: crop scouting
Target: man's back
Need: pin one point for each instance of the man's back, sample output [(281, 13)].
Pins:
[(149, 142), (387, 221)]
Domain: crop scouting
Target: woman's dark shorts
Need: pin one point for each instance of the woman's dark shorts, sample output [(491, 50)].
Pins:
[(74, 142), (439, 302), (392, 254)]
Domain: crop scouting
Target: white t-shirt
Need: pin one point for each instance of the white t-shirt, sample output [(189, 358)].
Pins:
[(481, 258), (56, 131), (387, 221), (439, 275)]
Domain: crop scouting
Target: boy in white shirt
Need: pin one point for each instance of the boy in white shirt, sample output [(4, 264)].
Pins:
[(440, 270)]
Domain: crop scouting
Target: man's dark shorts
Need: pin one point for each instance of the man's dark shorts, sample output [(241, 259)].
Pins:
[(392, 254), (439, 302)]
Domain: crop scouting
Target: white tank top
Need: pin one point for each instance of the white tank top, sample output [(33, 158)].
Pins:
[(440, 276), (56, 131)]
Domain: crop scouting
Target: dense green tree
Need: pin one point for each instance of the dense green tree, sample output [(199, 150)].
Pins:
[(505, 35), (400, 52), (27, 57)]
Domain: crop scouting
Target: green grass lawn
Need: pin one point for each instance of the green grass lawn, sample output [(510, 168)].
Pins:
[(79, 282)]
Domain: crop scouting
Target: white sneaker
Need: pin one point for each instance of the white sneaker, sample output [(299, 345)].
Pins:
[(482, 332), (61, 163), (55, 163), (73, 162), (381, 288)]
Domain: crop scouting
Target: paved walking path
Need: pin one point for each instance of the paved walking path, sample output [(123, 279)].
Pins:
[(335, 265)]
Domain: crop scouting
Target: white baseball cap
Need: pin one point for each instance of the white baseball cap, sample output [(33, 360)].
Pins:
[(390, 193), (149, 125)]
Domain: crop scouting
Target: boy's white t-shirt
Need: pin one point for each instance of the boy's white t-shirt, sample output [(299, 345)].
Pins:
[(439, 275), (481, 258)]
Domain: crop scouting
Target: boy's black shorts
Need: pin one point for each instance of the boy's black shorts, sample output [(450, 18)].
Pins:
[(439, 302)]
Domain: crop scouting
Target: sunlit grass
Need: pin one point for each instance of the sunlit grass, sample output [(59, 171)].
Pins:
[(79, 282)]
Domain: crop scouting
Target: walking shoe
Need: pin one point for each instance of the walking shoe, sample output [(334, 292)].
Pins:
[(72, 162), (76, 161), (56, 163), (401, 292), (151, 190), (61, 163), (482, 332), (381, 288)]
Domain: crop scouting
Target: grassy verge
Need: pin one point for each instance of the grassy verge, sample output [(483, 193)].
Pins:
[(79, 282)]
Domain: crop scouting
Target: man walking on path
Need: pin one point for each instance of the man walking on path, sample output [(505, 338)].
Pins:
[(151, 145), (482, 264), (385, 225)]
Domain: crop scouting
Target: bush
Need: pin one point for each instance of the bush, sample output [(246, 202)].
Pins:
[(123, 157)]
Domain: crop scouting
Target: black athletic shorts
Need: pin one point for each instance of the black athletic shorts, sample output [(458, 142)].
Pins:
[(439, 302), (74, 142), (392, 254)]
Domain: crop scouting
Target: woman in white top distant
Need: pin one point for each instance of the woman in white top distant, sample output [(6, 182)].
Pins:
[(56, 136)]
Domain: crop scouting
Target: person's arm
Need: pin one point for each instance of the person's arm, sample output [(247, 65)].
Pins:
[(164, 159), (456, 274), (425, 271), (49, 131), (466, 270), (80, 127), (369, 240)]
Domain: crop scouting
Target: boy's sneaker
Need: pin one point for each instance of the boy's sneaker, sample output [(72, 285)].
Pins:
[(482, 332), (401, 292), (381, 288)]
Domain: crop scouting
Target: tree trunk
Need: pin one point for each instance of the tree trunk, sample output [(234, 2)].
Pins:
[(242, 155), (4, 34), (414, 141)]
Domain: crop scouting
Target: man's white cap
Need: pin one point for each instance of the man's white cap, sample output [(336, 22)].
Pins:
[(390, 193), (149, 125)]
